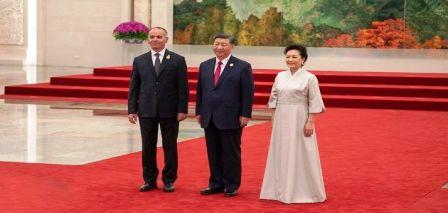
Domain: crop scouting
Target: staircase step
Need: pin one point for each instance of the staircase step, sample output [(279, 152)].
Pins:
[(46, 89), (358, 78), (123, 82), (259, 74), (268, 75), (326, 88), (363, 89), (429, 79), (384, 90), (113, 71), (259, 98), (262, 87), (381, 102), (339, 89), (124, 71), (91, 80)]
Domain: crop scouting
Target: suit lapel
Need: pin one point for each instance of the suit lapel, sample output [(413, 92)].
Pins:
[(148, 58), (211, 74), (166, 57), (226, 71)]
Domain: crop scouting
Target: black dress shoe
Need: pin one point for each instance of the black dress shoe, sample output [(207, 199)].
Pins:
[(168, 187), (208, 191), (230, 193), (148, 186)]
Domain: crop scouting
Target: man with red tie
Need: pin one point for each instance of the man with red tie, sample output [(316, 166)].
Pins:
[(225, 92)]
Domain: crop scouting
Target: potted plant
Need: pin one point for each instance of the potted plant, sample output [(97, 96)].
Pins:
[(131, 32)]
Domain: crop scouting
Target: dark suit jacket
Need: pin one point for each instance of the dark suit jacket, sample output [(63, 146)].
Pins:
[(232, 96), (164, 95)]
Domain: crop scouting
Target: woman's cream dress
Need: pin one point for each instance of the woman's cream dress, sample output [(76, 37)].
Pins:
[(293, 172)]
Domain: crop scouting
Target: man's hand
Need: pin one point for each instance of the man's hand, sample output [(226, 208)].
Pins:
[(198, 119), (133, 118), (181, 116), (244, 121)]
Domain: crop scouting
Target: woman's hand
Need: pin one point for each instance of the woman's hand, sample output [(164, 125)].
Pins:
[(308, 128)]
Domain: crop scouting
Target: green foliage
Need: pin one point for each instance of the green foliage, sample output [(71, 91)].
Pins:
[(186, 13), (209, 24), (129, 36), (387, 9), (352, 15), (428, 18), (230, 23)]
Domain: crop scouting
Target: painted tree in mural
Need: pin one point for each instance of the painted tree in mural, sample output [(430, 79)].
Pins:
[(387, 34), (267, 30), (185, 21), (230, 23), (270, 28), (428, 18), (435, 43), (206, 27), (197, 22), (247, 31), (390, 33), (313, 22), (350, 16)]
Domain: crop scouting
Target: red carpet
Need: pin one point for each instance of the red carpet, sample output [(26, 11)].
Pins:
[(373, 161), (340, 89)]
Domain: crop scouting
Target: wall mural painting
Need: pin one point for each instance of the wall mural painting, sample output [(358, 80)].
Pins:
[(316, 23)]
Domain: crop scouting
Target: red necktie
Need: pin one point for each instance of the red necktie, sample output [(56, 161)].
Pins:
[(217, 72)]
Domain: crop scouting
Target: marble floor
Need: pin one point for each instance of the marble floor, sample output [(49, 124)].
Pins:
[(69, 133)]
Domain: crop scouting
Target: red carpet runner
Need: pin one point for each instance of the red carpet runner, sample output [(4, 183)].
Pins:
[(339, 89), (373, 161)]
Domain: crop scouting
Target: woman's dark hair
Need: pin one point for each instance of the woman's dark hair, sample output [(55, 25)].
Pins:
[(298, 47)]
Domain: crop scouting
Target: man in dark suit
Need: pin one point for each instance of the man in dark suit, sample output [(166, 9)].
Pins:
[(158, 94), (224, 99)]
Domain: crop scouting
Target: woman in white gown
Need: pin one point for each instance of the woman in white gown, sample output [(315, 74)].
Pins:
[(293, 172)]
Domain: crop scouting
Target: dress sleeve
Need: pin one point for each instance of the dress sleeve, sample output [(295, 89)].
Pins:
[(272, 103), (315, 102)]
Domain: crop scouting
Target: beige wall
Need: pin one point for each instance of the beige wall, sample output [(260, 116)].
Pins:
[(333, 59), (12, 31), (79, 32), (142, 11), (12, 22)]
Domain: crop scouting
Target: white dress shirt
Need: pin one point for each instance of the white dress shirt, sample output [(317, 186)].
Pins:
[(223, 65), (153, 55)]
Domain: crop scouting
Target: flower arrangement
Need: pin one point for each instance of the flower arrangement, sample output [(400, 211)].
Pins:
[(131, 30)]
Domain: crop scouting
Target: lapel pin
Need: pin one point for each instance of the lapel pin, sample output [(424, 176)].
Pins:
[(168, 57), (231, 64)]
